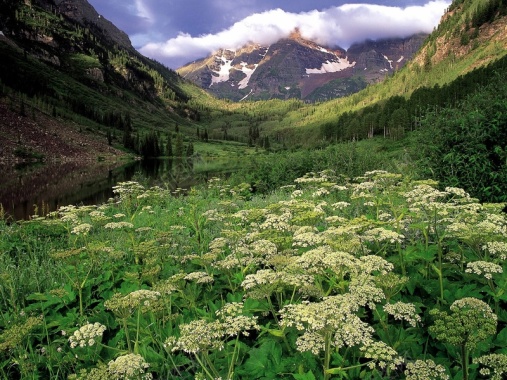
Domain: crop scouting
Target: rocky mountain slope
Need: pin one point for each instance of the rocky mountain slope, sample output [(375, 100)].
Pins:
[(61, 59), (298, 68)]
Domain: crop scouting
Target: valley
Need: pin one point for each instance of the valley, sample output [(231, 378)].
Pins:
[(350, 221)]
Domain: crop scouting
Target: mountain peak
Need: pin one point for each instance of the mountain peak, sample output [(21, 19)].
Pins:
[(295, 67), (296, 35), (85, 14)]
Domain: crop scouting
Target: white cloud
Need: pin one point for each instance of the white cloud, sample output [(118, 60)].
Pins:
[(143, 11), (336, 26)]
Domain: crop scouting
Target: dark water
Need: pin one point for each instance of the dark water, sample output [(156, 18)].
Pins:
[(26, 190)]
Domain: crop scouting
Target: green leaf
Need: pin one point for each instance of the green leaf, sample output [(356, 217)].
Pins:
[(304, 376), (420, 253), (501, 338), (276, 332), (337, 371), (264, 361)]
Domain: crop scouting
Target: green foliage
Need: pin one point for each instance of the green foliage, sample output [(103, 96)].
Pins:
[(465, 145), (371, 276)]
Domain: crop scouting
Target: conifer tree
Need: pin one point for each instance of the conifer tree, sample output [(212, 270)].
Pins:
[(179, 148), (169, 146)]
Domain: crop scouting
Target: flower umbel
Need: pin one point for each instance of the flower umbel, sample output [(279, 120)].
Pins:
[(86, 335), (129, 367)]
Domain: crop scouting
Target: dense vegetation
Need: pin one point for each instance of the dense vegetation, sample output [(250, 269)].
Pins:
[(371, 277), (337, 274)]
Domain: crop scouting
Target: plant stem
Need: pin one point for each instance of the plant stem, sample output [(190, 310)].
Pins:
[(464, 361), (204, 367), (233, 360), (127, 336), (327, 356), (136, 344)]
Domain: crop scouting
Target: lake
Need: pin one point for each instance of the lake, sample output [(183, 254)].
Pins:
[(26, 190)]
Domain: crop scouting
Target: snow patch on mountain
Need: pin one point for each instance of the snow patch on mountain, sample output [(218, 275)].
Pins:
[(222, 75), (332, 66), (248, 72), (390, 62)]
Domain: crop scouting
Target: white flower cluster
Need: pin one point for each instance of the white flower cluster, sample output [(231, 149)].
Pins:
[(383, 356), (362, 190), (307, 237), (381, 235), (129, 367), (266, 281), (402, 311), (324, 176), (425, 370), (200, 335), (137, 298), (320, 192), (277, 222), (296, 194), (118, 225), (497, 364), (213, 215), (82, 229), (199, 277), (340, 205), (496, 249), (483, 268), (86, 335), (424, 194), (129, 188)]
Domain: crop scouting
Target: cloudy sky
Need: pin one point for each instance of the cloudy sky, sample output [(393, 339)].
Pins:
[(176, 32)]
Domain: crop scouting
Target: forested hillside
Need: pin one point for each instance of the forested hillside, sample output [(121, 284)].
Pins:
[(67, 62)]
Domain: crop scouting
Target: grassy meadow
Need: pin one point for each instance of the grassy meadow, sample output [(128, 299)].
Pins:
[(330, 276)]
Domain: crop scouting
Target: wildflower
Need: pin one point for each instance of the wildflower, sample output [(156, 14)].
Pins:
[(383, 355), (119, 216), (353, 332), (497, 364), (380, 235), (306, 237), (98, 216), (364, 291), (423, 194), (469, 322), (199, 277), (340, 205), (403, 311), (425, 370), (12, 337), (125, 305), (371, 264), (144, 229), (118, 225), (457, 192), (213, 215), (496, 249), (296, 194), (320, 192), (71, 218), (82, 229), (86, 334), (129, 188), (200, 335), (129, 367), (277, 222), (311, 341), (483, 268)]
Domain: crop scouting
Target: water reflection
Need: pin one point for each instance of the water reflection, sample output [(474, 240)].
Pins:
[(25, 190)]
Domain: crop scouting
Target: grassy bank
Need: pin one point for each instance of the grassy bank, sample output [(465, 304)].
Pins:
[(377, 276)]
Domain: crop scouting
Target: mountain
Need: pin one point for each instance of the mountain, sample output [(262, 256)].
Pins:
[(295, 67), (63, 60)]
